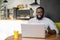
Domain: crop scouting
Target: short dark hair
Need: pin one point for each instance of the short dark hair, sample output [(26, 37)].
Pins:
[(41, 8)]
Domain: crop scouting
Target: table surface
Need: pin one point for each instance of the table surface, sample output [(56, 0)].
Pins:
[(51, 37)]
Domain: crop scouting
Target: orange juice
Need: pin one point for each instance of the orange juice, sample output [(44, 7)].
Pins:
[(15, 35)]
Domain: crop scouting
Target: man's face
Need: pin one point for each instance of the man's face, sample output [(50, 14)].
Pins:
[(39, 13)]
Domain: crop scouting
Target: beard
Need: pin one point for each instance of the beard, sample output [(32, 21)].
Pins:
[(39, 18)]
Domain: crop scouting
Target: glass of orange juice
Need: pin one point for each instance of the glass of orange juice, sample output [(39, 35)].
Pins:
[(16, 35)]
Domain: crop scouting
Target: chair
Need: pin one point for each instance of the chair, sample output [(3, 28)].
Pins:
[(58, 26)]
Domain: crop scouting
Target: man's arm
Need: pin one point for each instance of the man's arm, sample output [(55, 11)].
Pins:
[(52, 29)]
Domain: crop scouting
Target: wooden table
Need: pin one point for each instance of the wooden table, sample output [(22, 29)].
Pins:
[(52, 37)]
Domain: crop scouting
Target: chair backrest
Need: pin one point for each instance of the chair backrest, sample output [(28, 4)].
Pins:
[(58, 26)]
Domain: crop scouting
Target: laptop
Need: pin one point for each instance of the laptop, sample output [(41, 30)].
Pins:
[(33, 30)]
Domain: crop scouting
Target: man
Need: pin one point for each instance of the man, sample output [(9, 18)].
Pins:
[(51, 29)]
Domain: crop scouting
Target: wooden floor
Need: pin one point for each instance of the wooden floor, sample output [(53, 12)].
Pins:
[(52, 37)]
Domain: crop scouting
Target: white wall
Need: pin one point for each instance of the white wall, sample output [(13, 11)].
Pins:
[(14, 3)]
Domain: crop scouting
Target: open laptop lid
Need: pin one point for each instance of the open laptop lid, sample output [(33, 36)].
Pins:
[(33, 30)]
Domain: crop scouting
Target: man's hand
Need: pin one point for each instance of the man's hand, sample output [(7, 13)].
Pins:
[(51, 32)]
